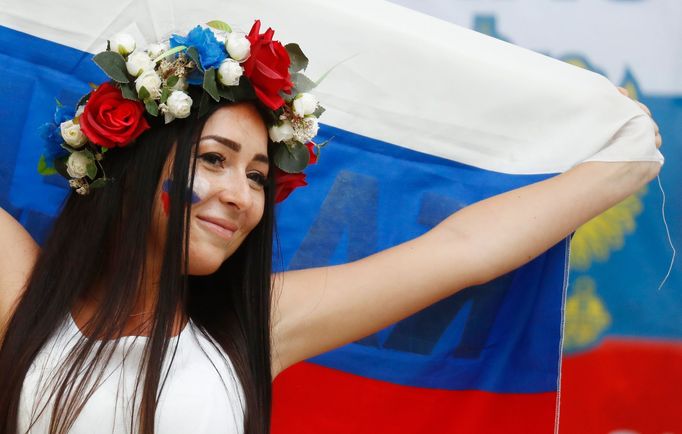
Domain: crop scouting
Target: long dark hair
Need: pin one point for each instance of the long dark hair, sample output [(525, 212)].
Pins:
[(99, 235)]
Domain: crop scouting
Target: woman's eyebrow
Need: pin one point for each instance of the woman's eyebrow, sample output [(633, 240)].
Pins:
[(236, 147)]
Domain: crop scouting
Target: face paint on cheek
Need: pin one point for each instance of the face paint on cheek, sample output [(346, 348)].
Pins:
[(200, 188), (165, 199), (199, 191)]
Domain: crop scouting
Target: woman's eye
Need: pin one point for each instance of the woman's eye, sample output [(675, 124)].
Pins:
[(213, 159), (260, 179)]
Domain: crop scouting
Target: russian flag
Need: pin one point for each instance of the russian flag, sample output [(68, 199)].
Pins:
[(424, 118)]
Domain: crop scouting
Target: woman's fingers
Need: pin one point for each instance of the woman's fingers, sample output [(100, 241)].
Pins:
[(659, 139)]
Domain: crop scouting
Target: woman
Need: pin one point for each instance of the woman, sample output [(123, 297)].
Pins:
[(129, 261)]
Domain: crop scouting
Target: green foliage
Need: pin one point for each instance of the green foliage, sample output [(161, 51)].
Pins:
[(169, 53), (143, 93), (219, 25), (210, 85), (113, 65), (44, 168), (292, 160), (302, 83), (128, 91), (172, 80), (298, 60), (152, 107), (194, 55)]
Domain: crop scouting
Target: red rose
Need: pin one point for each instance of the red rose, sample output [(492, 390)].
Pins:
[(109, 120), (267, 68), (286, 183)]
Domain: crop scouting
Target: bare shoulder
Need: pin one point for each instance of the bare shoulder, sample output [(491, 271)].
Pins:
[(18, 253)]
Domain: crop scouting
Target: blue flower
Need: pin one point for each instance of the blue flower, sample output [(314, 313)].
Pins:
[(211, 52), (52, 135)]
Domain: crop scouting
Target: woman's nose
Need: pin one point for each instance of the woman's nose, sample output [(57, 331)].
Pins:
[(237, 192)]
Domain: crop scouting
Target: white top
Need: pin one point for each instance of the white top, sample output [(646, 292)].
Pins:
[(200, 395)]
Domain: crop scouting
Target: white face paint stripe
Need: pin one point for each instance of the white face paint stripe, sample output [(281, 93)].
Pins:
[(201, 186)]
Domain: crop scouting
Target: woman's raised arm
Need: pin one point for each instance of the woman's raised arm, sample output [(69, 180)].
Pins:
[(18, 252), (323, 308)]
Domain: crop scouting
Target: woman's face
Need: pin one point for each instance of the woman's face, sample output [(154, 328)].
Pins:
[(228, 195)]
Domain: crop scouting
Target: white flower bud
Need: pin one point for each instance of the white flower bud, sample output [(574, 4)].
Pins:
[(238, 47), (122, 43), (139, 62), (281, 133), (229, 72), (304, 104), (79, 111), (77, 164), (151, 81), (179, 104), (155, 50), (72, 134)]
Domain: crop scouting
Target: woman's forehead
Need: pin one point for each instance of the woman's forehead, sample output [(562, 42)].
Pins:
[(240, 124)]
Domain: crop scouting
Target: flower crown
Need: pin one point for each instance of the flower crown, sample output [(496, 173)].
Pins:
[(155, 82)]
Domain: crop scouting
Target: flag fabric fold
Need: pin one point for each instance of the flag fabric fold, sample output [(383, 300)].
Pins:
[(424, 118)]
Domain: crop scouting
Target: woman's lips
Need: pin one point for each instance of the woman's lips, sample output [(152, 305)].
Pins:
[(220, 227)]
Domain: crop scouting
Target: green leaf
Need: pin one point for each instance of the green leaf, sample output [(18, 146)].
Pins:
[(151, 107), (43, 167), (172, 80), (113, 65), (59, 103), (298, 60), (143, 93), (128, 91), (99, 183), (219, 25), (319, 80), (165, 93), (169, 53), (323, 144), (60, 166), (91, 170), (194, 55), (318, 111), (244, 91), (204, 104), (103, 149), (302, 83), (83, 99), (292, 160), (227, 93), (210, 85)]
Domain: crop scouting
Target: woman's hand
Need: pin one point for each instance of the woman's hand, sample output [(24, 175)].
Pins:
[(659, 139)]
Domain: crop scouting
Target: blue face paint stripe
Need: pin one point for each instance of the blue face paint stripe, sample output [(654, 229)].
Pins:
[(167, 186)]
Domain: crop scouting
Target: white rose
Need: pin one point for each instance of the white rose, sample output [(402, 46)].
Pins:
[(139, 62), (77, 164), (305, 129), (155, 50), (72, 134), (179, 104), (122, 43), (151, 81), (229, 72), (305, 104), (238, 47), (281, 133)]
